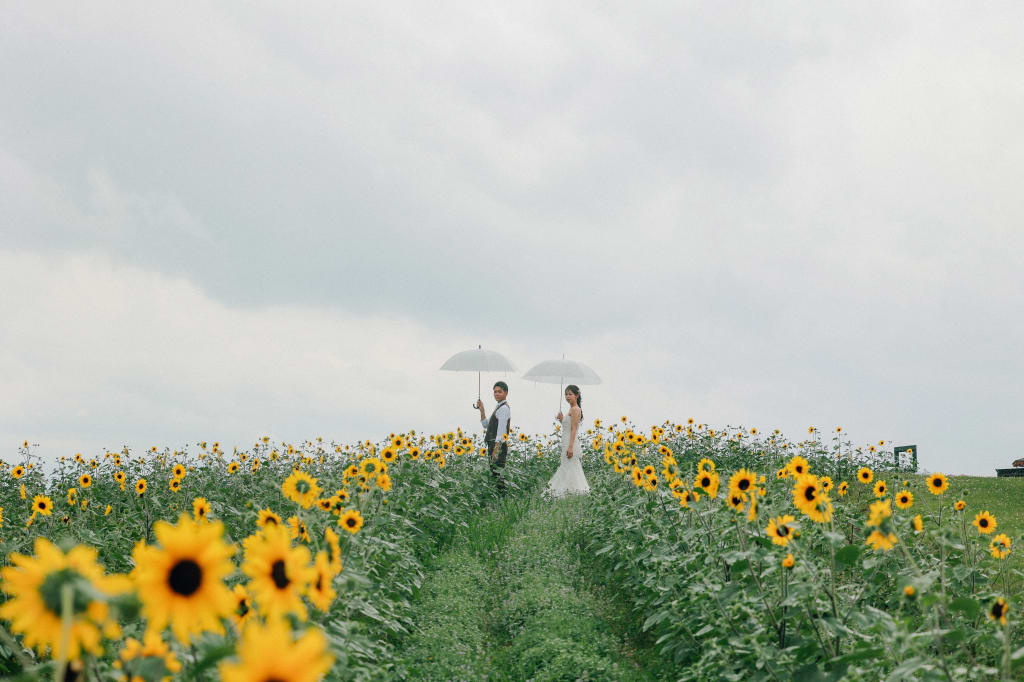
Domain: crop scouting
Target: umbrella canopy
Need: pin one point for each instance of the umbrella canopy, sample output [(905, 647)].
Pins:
[(563, 371), (478, 360)]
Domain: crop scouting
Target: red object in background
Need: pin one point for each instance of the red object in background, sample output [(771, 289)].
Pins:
[(1019, 463)]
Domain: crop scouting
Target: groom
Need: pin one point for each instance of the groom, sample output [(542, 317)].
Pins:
[(495, 430)]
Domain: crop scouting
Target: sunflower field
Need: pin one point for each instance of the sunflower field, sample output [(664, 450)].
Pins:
[(699, 554)]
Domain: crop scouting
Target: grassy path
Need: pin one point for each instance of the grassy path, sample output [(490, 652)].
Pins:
[(509, 601)]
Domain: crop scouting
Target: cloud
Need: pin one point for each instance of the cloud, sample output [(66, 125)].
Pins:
[(783, 216)]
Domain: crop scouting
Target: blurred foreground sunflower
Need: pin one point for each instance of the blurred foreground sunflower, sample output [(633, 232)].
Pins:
[(294, 660)]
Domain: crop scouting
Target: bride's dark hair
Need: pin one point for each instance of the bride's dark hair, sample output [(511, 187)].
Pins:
[(575, 390)]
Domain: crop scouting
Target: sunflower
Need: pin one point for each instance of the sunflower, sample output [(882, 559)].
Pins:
[(119, 477), (881, 489), (200, 509), (811, 500), (267, 518), (638, 476), (985, 522), (918, 524), (736, 501), (708, 482), (85, 480), (937, 484), (233, 467), (904, 499), (302, 488), (826, 483), (279, 573), (34, 608), (174, 485), (243, 607), (41, 504), (799, 466), (706, 466), (782, 473), (255, 466), (879, 512), (18, 471), (960, 505), (384, 482), (742, 482), (181, 583), (844, 488), (302, 660), (324, 504), (879, 540), (333, 549), (999, 610), (389, 454), (321, 593), (72, 496), (1000, 546), (371, 466), (140, 487), (687, 497), (414, 453), (865, 475), (145, 656), (788, 561), (351, 521), (297, 528), (779, 531), (179, 471), (650, 484)]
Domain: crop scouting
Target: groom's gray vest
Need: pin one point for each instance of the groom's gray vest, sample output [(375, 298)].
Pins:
[(492, 433)]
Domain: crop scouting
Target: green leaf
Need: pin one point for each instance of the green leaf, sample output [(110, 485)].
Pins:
[(969, 606), (847, 556)]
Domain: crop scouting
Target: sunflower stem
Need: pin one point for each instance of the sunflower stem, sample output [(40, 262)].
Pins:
[(67, 595)]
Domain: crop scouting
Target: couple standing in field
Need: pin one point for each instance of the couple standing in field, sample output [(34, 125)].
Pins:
[(569, 477)]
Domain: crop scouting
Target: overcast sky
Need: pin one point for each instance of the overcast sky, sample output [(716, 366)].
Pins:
[(226, 220)]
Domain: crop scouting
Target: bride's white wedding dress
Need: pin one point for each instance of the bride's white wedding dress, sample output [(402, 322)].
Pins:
[(569, 479)]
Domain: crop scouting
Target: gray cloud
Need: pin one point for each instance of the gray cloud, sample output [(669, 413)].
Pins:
[(780, 214)]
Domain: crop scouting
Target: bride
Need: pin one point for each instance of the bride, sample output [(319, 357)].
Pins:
[(569, 478)]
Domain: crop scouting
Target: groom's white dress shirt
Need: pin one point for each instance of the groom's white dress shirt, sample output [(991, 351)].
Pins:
[(502, 412)]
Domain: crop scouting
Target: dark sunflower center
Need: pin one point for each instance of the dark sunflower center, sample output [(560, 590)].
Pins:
[(350, 522), (185, 578), (904, 499), (983, 523), (319, 583), (302, 487), (705, 482), (270, 519), (279, 574), (810, 493), (997, 610), (42, 506), (799, 469), (782, 531), (743, 484), (243, 607)]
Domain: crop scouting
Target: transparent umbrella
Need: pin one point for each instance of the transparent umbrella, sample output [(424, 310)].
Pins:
[(478, 360), (562, 372)]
